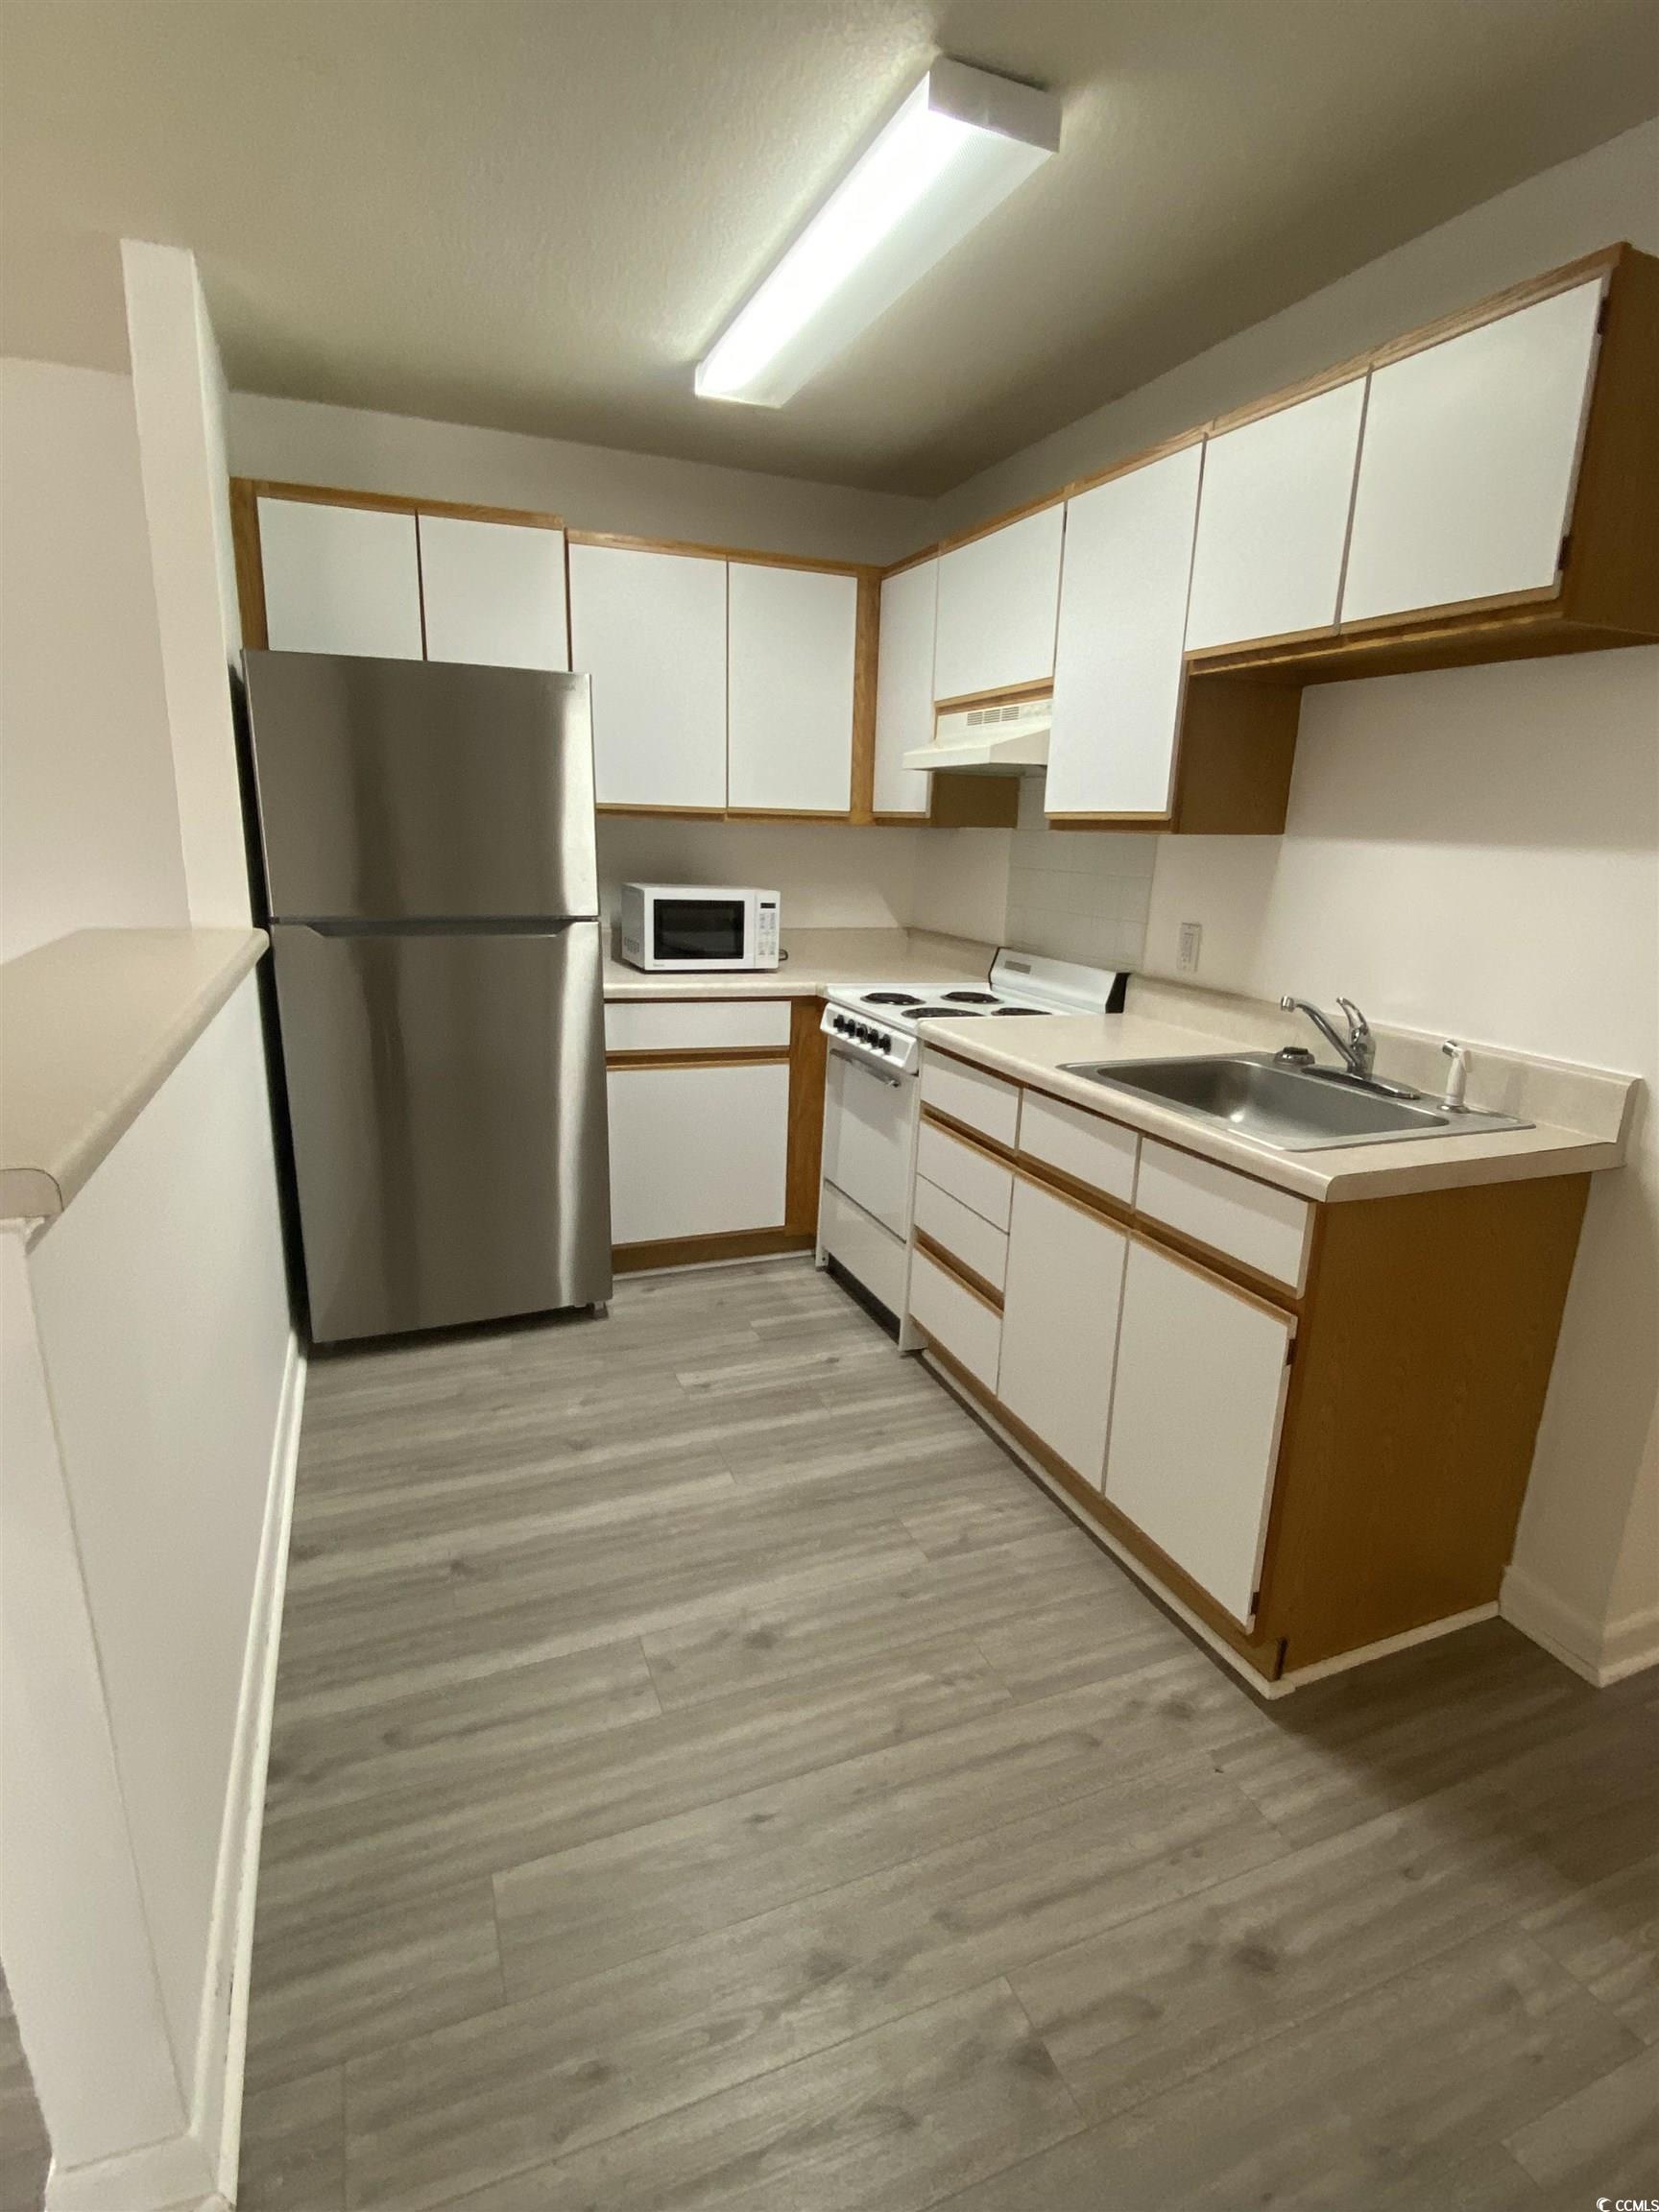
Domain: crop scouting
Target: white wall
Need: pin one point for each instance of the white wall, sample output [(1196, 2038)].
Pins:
[(830, 877), (160, 1303), (178, 391), (89, 818), (592, 487)]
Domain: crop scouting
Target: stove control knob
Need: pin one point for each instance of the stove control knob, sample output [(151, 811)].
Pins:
[(885, 1042), (864, 1033)]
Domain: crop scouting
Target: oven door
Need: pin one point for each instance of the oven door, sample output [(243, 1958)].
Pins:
[(700, 929), (868, 1132)]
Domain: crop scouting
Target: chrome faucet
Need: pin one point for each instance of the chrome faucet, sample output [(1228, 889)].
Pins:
[(1357, 1049)]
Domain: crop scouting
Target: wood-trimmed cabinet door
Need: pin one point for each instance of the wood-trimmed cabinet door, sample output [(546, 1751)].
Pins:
[(649, 628), (1117, 668), (998, 599), (1273, 522), (697, 1152), (340, 579), (1060, 1301), (792, 657), (904, 688), (1469, 461), (1202, 1373), (494, 592)]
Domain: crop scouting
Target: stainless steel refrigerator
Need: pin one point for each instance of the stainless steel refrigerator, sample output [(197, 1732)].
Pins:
[(427, 834)]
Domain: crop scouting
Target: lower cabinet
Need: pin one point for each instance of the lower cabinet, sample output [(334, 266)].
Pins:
[(1202, 1369), (696, 1151), (1060, 1304)]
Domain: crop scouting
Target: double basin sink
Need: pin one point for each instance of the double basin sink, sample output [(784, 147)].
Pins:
[(1290, 1107)]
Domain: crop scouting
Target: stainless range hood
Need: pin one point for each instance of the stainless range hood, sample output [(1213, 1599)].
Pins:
[(995, 739)]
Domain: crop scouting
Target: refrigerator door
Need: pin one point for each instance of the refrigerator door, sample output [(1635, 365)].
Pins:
[(395, 790), (446, 1092)]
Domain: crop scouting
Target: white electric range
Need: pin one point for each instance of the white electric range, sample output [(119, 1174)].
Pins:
[(872, 1100)]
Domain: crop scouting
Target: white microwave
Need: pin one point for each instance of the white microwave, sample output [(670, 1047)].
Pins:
[(685, 927)]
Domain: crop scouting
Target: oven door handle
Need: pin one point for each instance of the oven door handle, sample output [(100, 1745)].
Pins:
[(881, 1074)]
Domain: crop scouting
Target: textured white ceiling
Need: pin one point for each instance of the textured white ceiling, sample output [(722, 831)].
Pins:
[(536, 216)]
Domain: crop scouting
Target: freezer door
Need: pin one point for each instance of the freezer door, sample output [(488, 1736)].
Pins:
[(394, 790), (446, 1093)]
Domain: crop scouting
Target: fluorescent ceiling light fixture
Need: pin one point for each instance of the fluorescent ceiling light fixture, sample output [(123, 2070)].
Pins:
[(955, 149)]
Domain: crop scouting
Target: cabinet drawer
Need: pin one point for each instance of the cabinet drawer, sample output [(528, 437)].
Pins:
[(695, 1026), (970, 1095), (1251, 1222), (965, 1173), (1084, 1145), (957, 1321), (958, 1230)]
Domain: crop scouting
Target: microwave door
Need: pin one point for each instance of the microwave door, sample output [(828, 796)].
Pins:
[(699, 932)]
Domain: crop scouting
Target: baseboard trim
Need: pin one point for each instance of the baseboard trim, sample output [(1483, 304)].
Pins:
[(158, 2177), (1600, 1653), (223, 2041)]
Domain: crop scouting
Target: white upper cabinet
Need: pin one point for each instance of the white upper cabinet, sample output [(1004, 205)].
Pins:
[(904, 687), (1195, 1419), (1471, 451), (494, 592), (650, 630), (794, 635), (1273, 522), (339, 580), (998, 596), (1123, 622)]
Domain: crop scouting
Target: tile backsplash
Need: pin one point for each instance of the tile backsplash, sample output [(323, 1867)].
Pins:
[(1077, 894)]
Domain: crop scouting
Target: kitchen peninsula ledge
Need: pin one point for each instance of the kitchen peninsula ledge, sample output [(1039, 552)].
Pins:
[(819, 961), (91, 1026), (1581, 1115)]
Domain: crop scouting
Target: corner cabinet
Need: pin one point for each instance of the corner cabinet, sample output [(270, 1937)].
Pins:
[(1309, 1425), (649, 630)]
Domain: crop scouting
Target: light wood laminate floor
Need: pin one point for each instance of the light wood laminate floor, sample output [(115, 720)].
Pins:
[(706, 1774)]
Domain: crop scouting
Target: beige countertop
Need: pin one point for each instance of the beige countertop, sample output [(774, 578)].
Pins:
[(819, 961), (1592, 1106), (91, 1026)]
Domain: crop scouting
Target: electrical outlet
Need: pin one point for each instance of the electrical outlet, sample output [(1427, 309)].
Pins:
[(1191, 940)]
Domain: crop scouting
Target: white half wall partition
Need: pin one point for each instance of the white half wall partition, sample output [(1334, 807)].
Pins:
[(152, 1399)]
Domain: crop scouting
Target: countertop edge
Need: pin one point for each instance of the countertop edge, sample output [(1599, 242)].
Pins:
[(1355, 1172), (43, 1186)]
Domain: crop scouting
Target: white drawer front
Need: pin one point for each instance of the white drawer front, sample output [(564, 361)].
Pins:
[(961, 1231), (695, 1024), (968, 1095), (980, 1182), (1081, 1145), (1251, 1222), (870, 1253), (961, 1324)]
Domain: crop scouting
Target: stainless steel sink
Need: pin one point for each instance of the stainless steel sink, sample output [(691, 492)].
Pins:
[(1290, 1107)]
